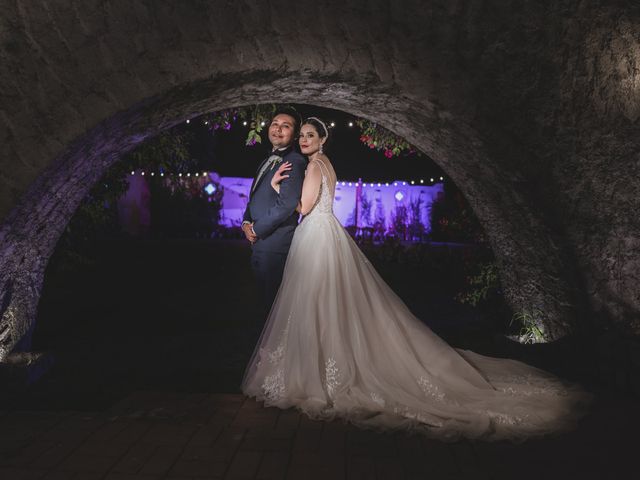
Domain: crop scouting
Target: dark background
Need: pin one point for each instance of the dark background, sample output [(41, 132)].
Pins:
[(225, 152)]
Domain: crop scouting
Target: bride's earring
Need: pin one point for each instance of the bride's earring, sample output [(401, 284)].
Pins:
[(320, 149)]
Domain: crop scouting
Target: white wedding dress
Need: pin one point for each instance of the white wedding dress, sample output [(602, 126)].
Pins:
[(339, 343)]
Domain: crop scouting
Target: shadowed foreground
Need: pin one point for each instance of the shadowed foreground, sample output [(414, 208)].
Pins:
[(149, 339), (182, 436)]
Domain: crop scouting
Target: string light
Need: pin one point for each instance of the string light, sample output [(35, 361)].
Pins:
[(333, 124), (262, 124), (351, 124), (188, 121), (244, 123), (343, 183)]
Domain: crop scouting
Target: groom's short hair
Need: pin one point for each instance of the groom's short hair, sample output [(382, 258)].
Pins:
[(293, 113)]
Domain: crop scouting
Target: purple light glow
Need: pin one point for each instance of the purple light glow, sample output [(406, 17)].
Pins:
[(236, 190)]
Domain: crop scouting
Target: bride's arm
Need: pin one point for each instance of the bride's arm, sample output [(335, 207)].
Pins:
[(310, 188)]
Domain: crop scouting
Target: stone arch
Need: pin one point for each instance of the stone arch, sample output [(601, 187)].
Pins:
[(32, 229), (525, 106)]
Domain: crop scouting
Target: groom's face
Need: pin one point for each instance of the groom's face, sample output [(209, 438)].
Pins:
[(281, 130)]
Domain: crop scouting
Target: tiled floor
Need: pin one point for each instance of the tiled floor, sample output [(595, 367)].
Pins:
[(197, 436)]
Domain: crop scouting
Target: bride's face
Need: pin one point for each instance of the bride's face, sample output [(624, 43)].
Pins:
[(309, 141)]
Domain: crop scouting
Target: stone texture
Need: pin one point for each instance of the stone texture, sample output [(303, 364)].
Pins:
[(531, 108), (604, 445)]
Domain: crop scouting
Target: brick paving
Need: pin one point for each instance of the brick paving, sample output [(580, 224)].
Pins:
[(178, 436)]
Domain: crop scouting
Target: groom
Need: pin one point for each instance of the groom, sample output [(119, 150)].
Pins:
[(271, 218)]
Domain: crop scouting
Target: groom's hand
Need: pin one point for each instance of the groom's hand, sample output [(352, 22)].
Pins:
[(247, 228)]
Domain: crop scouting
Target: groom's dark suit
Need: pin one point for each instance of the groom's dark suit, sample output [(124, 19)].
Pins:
[(274, 220)]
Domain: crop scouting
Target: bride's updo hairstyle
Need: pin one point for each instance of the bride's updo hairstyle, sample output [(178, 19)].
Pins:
[(320, 126)]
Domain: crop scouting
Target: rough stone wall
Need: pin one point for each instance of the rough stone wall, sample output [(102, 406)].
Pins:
[(531, 108)]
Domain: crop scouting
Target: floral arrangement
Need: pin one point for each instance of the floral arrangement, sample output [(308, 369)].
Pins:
[(379, 138), (256, 118)]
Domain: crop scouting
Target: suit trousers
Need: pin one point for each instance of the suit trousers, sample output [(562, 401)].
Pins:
[(268, 268)]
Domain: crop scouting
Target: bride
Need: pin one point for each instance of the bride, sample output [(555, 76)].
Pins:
[(339, 343)]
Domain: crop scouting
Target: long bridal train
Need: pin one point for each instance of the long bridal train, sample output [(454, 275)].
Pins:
[(339, 343)]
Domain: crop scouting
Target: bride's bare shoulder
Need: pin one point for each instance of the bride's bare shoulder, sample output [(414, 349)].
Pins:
[(322, 157)]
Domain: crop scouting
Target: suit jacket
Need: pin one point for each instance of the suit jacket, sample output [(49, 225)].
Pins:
[(274, 215)]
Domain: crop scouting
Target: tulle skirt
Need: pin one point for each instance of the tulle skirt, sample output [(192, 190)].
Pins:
[(339, 343)]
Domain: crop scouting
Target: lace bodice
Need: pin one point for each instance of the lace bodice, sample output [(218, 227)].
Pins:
[(324, 203)]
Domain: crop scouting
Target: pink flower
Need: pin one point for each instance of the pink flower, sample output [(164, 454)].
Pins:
[(388, 153)]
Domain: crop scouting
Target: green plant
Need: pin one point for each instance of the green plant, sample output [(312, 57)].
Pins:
[(481, 285), (531, 330), (256, 116), (379, 138)]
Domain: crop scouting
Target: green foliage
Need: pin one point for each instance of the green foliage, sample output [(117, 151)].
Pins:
[(481, 286), (372, 134), (381, 139), (97, 215), (530, 322), (257, 117)]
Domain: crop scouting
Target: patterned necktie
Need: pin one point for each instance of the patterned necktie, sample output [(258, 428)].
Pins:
[(266, 165)]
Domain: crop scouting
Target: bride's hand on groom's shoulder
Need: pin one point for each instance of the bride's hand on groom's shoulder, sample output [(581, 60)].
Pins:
[(280, 175)]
